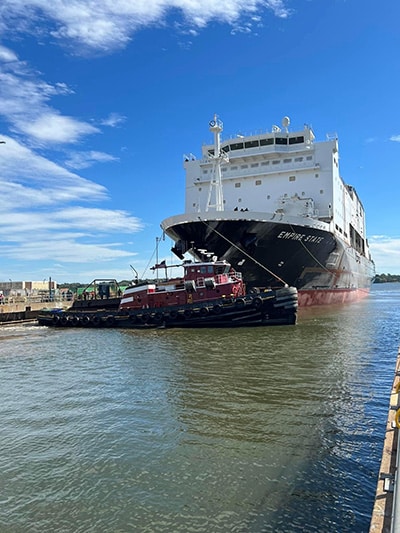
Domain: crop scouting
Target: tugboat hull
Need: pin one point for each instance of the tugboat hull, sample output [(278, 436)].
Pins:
[(271, 307)]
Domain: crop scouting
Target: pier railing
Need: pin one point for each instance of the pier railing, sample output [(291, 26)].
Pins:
[(386, 511)]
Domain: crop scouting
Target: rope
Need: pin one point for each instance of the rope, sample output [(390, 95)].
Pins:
[(244, 253), (312, 255)]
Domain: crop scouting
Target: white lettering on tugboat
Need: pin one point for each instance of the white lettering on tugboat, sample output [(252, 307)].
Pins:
[(300, 237)]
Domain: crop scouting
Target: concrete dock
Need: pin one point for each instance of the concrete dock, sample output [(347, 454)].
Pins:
[(22, 311), (386, 512)]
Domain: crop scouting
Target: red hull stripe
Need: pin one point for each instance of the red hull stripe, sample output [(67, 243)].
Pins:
[(329, 297)]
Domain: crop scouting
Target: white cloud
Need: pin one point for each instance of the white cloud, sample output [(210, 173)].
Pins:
[(385, 252), (24, 102), (54, 128), (80, 160), (113, 120), (103, 25), (33, 179), (98, 220), (7, 55), (74, 221), (36, 222), (68, 235), (65, 250), (395, 138)]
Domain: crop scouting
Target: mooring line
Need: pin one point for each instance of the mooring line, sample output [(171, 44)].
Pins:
[(245, 253)]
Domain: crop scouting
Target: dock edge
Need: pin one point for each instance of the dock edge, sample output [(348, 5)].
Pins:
[(384, 510)]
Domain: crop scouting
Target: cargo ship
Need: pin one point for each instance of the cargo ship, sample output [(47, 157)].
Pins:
[(275, 206)]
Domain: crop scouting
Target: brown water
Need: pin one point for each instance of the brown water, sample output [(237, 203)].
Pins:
[(260, 429)]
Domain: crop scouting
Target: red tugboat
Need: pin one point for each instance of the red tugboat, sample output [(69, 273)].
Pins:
[(210, 294)]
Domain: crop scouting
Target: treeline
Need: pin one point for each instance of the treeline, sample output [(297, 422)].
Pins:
[(386, 278)]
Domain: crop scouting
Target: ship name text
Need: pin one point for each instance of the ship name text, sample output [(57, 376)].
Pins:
[(300, 237)]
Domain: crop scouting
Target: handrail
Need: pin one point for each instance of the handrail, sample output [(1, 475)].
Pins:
[(395, 522)]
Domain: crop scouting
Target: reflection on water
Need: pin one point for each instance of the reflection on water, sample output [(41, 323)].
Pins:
[(260, 429)]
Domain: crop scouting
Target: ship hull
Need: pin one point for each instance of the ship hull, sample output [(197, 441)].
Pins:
[(323, 268)]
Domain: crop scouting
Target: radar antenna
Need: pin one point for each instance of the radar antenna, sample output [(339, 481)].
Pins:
[(286, 123)]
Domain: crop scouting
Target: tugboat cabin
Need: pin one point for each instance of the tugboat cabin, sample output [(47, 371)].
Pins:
[(201, 282)]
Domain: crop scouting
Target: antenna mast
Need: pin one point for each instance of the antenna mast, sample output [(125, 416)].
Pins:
[(216, 126)]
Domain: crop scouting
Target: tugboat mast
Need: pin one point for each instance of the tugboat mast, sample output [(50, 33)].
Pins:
[(215, 191)]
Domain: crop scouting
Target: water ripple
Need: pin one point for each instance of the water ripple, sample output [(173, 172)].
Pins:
[(275, 429)]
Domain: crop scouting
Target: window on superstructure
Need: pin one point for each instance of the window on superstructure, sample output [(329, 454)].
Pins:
[(276, 162), (298, 159), (224, 169), (281, 140), (296, 140), (244, 166), (237, 185), (287, 160), (210, 152), (292, 178), (233, 168), (236, 146), (264, 163), (265, 142), (309, 157), (258, 182), (205, 171), (226, 148), (251, 144), (254, 165)]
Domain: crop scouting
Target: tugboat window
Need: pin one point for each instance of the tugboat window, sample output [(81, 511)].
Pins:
[(281, 140)]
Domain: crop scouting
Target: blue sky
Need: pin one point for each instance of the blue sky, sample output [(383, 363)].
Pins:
[(99, 101)]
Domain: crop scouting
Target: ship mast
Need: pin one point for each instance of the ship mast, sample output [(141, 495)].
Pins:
[(215, 192)]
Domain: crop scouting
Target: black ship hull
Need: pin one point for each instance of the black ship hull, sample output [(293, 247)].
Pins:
[(320, 265)]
